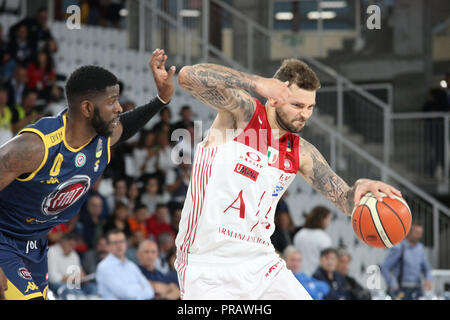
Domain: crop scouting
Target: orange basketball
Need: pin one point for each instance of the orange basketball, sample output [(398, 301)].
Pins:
[(381, 224)]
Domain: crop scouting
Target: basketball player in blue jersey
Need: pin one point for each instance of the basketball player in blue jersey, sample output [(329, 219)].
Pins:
[(47, 169)]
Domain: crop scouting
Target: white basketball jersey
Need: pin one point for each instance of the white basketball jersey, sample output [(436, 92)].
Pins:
[(228, 214)]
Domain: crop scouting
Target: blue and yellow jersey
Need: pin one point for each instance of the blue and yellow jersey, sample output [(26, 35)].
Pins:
[(34, 203)]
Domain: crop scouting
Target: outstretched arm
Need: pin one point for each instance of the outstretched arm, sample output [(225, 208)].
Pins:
[(132, 121), (226, 89), (316, 171)]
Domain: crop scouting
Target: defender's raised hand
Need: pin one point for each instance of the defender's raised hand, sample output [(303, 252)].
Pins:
[(163, 78)]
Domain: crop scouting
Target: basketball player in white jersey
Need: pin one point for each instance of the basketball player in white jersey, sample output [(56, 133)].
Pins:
[(240, 171)]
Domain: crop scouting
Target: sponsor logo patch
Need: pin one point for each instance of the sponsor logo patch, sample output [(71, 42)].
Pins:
[(66, 194), (24, 273), (246, 171)]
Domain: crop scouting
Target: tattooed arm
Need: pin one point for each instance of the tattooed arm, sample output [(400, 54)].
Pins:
[(226, 90), (22, 154), (316, 171)]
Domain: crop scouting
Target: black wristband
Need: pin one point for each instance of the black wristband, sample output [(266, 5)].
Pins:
[(134, 120)]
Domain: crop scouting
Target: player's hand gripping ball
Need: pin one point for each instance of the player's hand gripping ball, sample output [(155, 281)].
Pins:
[(381, 224)]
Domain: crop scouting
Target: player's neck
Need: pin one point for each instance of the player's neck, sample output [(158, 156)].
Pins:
[(277, 131), (78, 131)]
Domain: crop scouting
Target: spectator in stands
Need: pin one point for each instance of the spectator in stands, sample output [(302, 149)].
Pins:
[(119, 195), (185, 121), (354, 289), (148, 255), (447, 81), (282, 235), (164, 124), (91, 221), (164, 161), (20, 48), (437, 101), (166, 243), (17, 85), (137, 236), (65, 274), (25, 113), (118, 278), (55, 102), (55, 235), (113, 12), (7, 64), (38, 32), (139, 219), (6, 115), (51, 47), (157, 224), (282, 204), (409, 263), (145, 155), (312, 238), (133, 194), (94, 190), (172, 274), (151, 197), (41, 74), (316, 288), (177, 183), (119, 219), (175, 217), (327, 272), (92, 257)]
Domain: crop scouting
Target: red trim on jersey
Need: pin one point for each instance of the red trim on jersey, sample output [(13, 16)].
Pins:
[(201, 173), (258, 135)]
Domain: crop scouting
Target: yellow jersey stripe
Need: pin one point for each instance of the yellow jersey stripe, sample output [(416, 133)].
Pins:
[(41, 135)]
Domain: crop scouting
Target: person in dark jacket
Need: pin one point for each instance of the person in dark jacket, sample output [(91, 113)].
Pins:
[(354, 289), (327, 272)]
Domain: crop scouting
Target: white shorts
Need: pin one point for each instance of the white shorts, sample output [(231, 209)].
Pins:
[(262, 278)]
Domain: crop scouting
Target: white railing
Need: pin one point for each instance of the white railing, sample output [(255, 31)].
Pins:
[(356, 163), (254, 41), (421, 142)]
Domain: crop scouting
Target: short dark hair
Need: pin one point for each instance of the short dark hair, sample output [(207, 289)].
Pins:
[(140, 206), (297, 72), (161, 205), (86, 82), (28, 91), (327, 251), (113, 231)]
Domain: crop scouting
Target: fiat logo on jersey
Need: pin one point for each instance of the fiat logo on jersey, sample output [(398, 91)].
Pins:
[(254, 156), (66, 194)]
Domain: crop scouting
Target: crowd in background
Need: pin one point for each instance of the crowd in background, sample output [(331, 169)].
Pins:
[(121, 245)]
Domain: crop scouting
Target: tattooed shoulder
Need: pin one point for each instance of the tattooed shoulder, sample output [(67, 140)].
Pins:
[(22, 154)]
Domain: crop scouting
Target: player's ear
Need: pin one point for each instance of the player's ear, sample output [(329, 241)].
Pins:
[(272, 102), (87, 108)]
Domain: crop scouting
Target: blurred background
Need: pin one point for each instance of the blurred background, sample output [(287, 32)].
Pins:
[(382, 111)]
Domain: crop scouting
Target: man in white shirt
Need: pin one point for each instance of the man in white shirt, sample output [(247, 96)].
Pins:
[(65, 273), (118, 278)]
